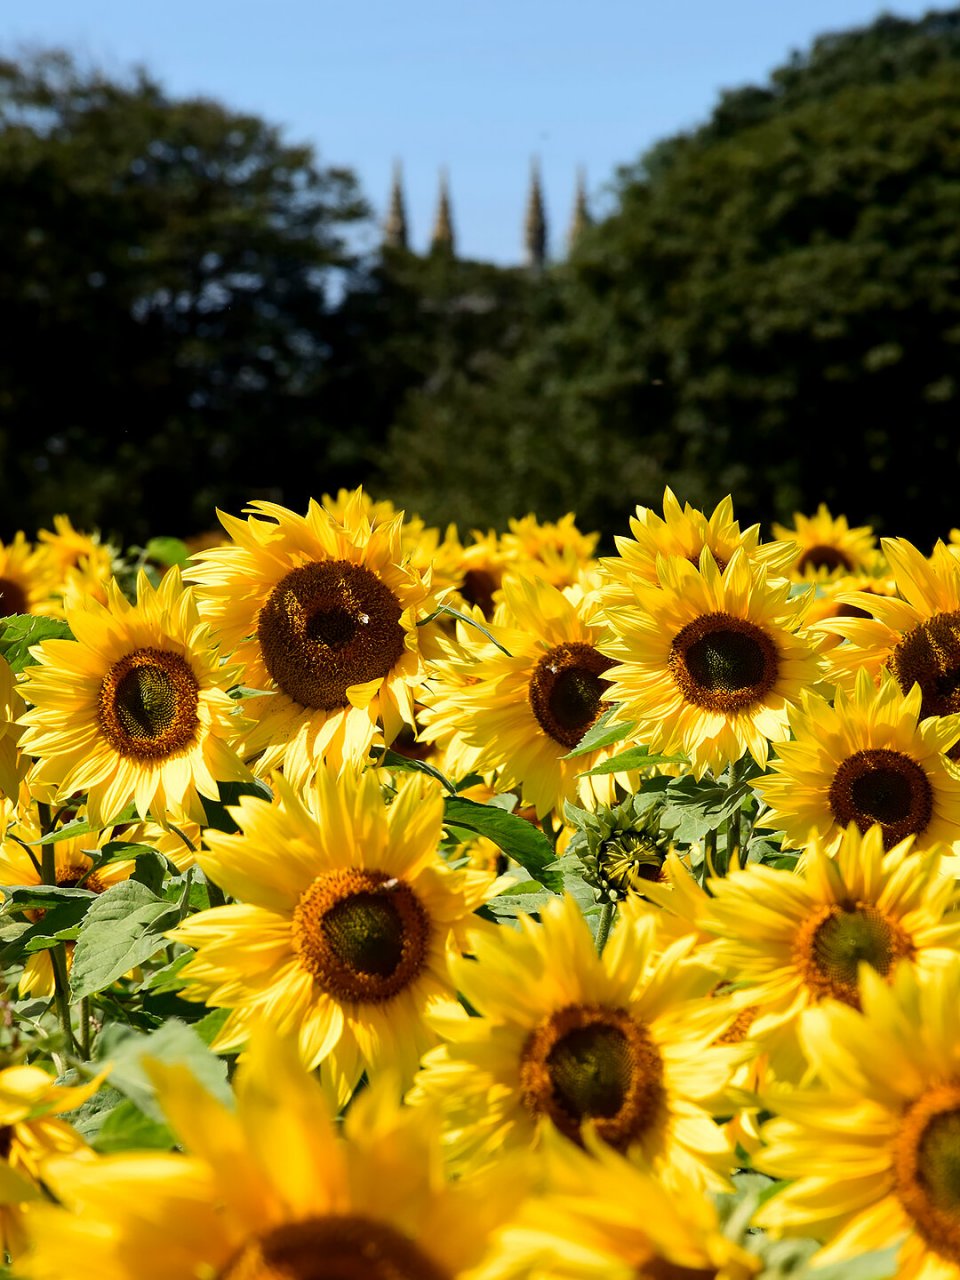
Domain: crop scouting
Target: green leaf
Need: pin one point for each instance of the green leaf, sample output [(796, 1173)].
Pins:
[(126, 1128), (21, 630), (42, 896), (230, 793), (632, 758), (393, 760), (519, 839), (58, 923), (602, 734), (174, 1042), (472, 622), (692, 808), (124, 927), (80, 827), (167, 551)]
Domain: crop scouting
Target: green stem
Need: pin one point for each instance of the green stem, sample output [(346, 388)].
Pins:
[(58, 954), (215, 895), (85, 1028), (603, 928)]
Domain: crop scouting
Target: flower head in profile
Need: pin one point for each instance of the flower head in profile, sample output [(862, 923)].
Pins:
[(322, 610), (269, 1190), (135, 707), (709, 662), (345, 917)]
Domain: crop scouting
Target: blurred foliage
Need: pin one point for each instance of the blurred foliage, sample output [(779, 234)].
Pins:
[(772, 309), (165, 271)]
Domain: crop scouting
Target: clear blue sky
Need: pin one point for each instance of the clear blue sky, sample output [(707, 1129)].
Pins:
[(477, 85)]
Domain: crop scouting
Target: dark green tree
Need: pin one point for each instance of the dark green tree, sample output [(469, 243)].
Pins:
[(165, 278), (772, 309)]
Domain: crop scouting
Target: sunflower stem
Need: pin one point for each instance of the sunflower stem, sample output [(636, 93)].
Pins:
[(603, 928), (215, 895), (58, 954), (85, 1028)]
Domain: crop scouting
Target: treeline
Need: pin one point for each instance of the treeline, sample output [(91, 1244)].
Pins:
[(772, 308)]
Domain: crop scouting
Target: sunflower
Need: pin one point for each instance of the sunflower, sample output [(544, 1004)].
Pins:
[(269, 1191), (826, 545), (795, 938), (868, 759), (135, 708), (554, 550), (323, 612), (30, 1133), (73, 867), (474, 570), (13, 764), (587, 1224), (27, 578), (528, 707), (916, 637), (873, 1153), (684, 532), (709, 662), (564, 1035), (347, 915), (69, 548)]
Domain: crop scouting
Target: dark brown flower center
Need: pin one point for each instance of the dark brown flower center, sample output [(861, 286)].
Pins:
[(588, 1062), (723, 663), (362, 935), (885, 787), (565, 691), (824, 556), (13, 598), (478, 588), (830, 946), (927, 1168), (929, 656), (347, 1247), (327, 626), (147, 706)]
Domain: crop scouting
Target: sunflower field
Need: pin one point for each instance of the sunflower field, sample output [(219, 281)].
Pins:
[(384, 904)]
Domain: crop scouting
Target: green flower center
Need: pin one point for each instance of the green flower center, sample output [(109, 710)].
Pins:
[(365, 932), (926, 1168), (830, 946), (147, 705)]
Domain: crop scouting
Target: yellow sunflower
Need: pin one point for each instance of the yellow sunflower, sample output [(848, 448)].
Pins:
[(527, 708), (684, 532), (323, 612), (73, 867), (269, 1191), (135, 708), (13, 764), (602, 1217), (708, 662), (795, 938), (27, 578), (624, 1041), (345, 918), (473, 569), (30, 1133), (554, 550), (826, 545), (917, 637), (872, 1154), (868, 759)]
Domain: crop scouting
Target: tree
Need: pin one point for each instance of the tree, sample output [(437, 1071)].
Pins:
[(772, 309), (165, 277)]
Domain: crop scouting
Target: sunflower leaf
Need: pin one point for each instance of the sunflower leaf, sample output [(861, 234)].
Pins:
[(173, 1042), (166, 551), (519, 839), (230, 793), (388, 759), (21, 630), (632, 758), (604, 733), (126, 1128), (124, 927)]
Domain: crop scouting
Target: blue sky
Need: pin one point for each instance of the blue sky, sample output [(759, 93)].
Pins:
[(480, 86)]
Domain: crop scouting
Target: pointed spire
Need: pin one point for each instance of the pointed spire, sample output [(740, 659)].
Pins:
[(395, 232), (535, 222), (581, 219), (442, 240)]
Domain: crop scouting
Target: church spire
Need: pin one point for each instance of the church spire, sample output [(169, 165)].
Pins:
[(535, 222), (442, 240), (395, 231), (581, 219)]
